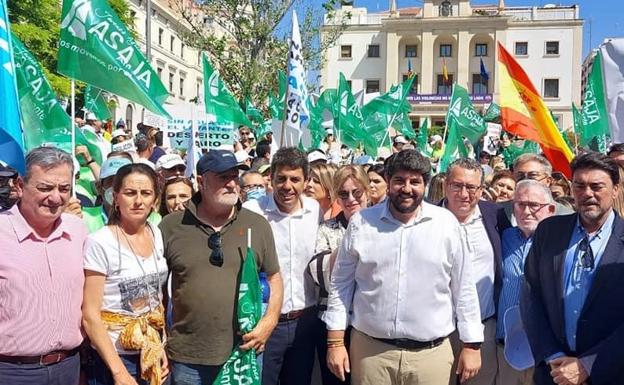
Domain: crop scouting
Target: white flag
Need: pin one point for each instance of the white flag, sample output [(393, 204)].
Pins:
[(613, 72), (297, 114)]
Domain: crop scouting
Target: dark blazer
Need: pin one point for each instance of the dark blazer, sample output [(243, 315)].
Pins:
[(494, 221), (600, 329)]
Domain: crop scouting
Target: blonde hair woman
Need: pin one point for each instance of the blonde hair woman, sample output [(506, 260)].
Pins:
[(319, 188)]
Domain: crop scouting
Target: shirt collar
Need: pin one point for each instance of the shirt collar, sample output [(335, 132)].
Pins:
[(424, 214), (605, 229), (195, 201), (23, 230), (305, 206), (474, 217)]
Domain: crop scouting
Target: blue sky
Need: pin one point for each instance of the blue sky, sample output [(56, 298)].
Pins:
[(606, 15)]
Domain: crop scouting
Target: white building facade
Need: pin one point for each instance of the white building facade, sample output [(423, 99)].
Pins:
[(178, 66), (377, 50)]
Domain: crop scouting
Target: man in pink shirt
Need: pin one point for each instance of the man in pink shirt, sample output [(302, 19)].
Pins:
[(41, 276)]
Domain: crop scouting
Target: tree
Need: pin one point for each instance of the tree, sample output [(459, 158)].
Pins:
[(247, 46), (37, 24)]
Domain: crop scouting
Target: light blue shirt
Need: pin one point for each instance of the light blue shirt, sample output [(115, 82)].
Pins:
[(577, 280), (515, 248)]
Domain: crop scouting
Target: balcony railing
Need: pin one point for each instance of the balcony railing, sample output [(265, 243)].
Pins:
[(444, 99)]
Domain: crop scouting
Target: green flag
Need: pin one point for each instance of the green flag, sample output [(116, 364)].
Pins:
[(242, 367), (326, 101), (492, 115), (511, 152), (96, 103), (45, 120), (95, 47), (578, 121), (392, 102), (219, 100), (349, 118), (454, 147), (469, 123), (594, 112), (422, 140), (278, 103)]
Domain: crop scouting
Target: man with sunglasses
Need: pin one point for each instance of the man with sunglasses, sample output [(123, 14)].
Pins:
[(532, 202), (535, 167), (294, 218), (480, 229), (205, 246), (571, 303), (170, 166)]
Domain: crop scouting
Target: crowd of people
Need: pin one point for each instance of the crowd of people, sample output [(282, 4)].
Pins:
[(380, 271)]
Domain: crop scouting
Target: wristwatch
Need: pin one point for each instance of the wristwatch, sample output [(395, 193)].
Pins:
[(472, 345)]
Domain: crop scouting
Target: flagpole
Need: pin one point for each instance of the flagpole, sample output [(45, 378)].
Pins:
[(73, 133)]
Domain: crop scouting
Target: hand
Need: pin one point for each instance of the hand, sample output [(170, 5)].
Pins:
[(469, 363), (164, 366), (568, 371), (84, 151), (124, 378), (73, 207), (490, 194), (338, 361), (257, 338)]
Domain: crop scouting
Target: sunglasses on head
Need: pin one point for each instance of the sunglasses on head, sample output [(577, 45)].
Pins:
[(214, 243)]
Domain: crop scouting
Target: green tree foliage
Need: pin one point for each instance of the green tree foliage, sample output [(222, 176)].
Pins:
[(249, 43), (37, 24)]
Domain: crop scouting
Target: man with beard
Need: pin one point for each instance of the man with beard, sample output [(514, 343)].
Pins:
[(8, 187), (205, 246), (294, 218), (571, 303), (402, 293)]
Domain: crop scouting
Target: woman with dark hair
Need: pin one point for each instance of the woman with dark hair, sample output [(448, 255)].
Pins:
[(176, 193), (378, 185), (124, 275)]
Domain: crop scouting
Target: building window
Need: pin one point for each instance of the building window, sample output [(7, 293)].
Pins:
[(414, 89), (182, 50), (159, 72), (171, 42), (129, 115), (349, 83), (198, 87), (446, 50), (551, 88), (345, 52), (181, 86), (373, 50), (171, 75), (445, 9), (372, 86), (552, 48), (445, 87), (411, 50), (160, 36), (522, 48), (480, 49), (479, 85)]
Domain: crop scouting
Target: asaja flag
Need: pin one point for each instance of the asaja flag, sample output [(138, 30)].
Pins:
[(95, 47), (454, 147), (492, 114), (242, 366), (277, 103), (11, 140), (524, 113), (219, 100), (297, 113), (612, 52), (594, 113), (96, 102), (422, 139), (348, 119), (469, 123)]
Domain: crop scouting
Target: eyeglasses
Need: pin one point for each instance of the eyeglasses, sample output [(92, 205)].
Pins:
[(214, 243), (587, 258), (344, 195), (179, 168), (533, 206), (458, 187), (251, 187), (534, 175), (556, 175)]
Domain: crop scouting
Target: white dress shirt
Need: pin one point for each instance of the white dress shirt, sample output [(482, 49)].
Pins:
[(480, 248), (404, 280), (295, 238)]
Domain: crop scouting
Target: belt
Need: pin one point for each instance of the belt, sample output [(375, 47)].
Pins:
[(45, 360), (293, 315), (405, 343)]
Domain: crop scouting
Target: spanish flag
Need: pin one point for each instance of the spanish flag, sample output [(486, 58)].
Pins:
[(444, 71), (524, 113)]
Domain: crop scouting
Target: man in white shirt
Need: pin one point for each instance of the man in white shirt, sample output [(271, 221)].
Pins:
[(404, 271), (294, 218), (481, 232)]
